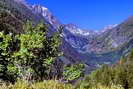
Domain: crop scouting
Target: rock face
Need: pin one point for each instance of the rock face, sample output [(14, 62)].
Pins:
[(77, 37), (90, 47), (47, 15)]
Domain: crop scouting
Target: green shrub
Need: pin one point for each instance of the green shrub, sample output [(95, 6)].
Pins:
[(73, 72)]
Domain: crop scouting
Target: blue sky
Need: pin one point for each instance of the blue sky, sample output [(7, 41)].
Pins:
[(89, 14)]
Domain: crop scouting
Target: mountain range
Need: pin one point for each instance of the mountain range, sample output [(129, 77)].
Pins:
[(78, 45)]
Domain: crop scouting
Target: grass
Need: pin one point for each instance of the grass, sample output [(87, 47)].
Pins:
[(48, 85), (38, 85)]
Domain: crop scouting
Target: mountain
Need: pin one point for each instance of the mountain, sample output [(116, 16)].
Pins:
[(78, 45), (110, 45), (113, 38), (13, 14)]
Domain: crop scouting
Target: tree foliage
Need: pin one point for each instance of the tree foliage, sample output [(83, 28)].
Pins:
[(28, 55)]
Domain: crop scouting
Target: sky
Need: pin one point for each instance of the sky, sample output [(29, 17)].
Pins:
[(89, 14)]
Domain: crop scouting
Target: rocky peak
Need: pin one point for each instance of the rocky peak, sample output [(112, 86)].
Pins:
[(77, 31), (41, 10), (46, 14)]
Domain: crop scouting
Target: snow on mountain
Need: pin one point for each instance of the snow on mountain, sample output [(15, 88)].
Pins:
[(108, 27), (76, 30)]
